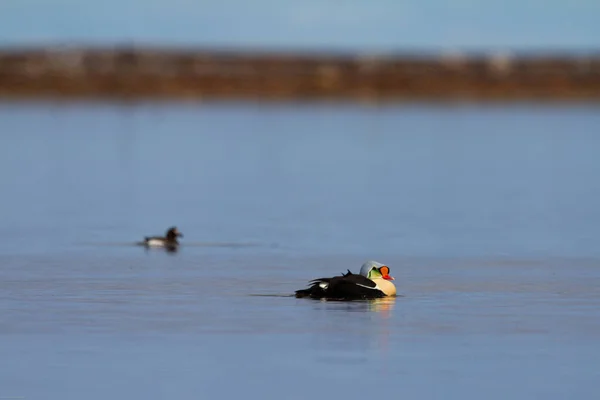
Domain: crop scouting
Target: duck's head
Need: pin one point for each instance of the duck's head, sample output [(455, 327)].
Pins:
[(376, 270), (173, 232)]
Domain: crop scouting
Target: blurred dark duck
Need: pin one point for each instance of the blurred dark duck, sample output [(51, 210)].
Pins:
[(373, 282), (169, 240)]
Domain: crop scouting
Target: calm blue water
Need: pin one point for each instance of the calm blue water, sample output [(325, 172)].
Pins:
[(487, 216)]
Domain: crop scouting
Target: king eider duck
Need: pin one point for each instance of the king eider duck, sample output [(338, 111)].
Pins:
[(373, 282), (168, 241)]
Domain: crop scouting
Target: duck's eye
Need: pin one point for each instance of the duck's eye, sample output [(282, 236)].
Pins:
[(384, 270)]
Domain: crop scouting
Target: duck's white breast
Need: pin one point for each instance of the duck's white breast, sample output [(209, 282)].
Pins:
[(386, 287), (155, 243)]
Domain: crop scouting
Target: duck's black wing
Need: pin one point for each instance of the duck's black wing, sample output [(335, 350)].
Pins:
[(346, 287)]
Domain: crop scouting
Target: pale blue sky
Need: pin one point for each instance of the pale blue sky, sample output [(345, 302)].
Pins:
[(378, 25)]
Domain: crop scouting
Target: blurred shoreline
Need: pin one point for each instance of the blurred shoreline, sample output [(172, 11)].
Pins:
[(147, 73)]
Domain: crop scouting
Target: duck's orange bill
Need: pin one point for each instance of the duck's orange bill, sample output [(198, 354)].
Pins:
[(385, 273)]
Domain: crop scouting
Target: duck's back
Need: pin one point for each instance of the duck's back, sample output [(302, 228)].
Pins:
[(346, 287)]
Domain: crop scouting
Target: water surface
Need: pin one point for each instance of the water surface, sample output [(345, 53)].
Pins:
[(487, 217)]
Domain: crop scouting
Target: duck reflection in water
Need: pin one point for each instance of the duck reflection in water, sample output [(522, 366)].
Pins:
[(383, 306), (350, 332)]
